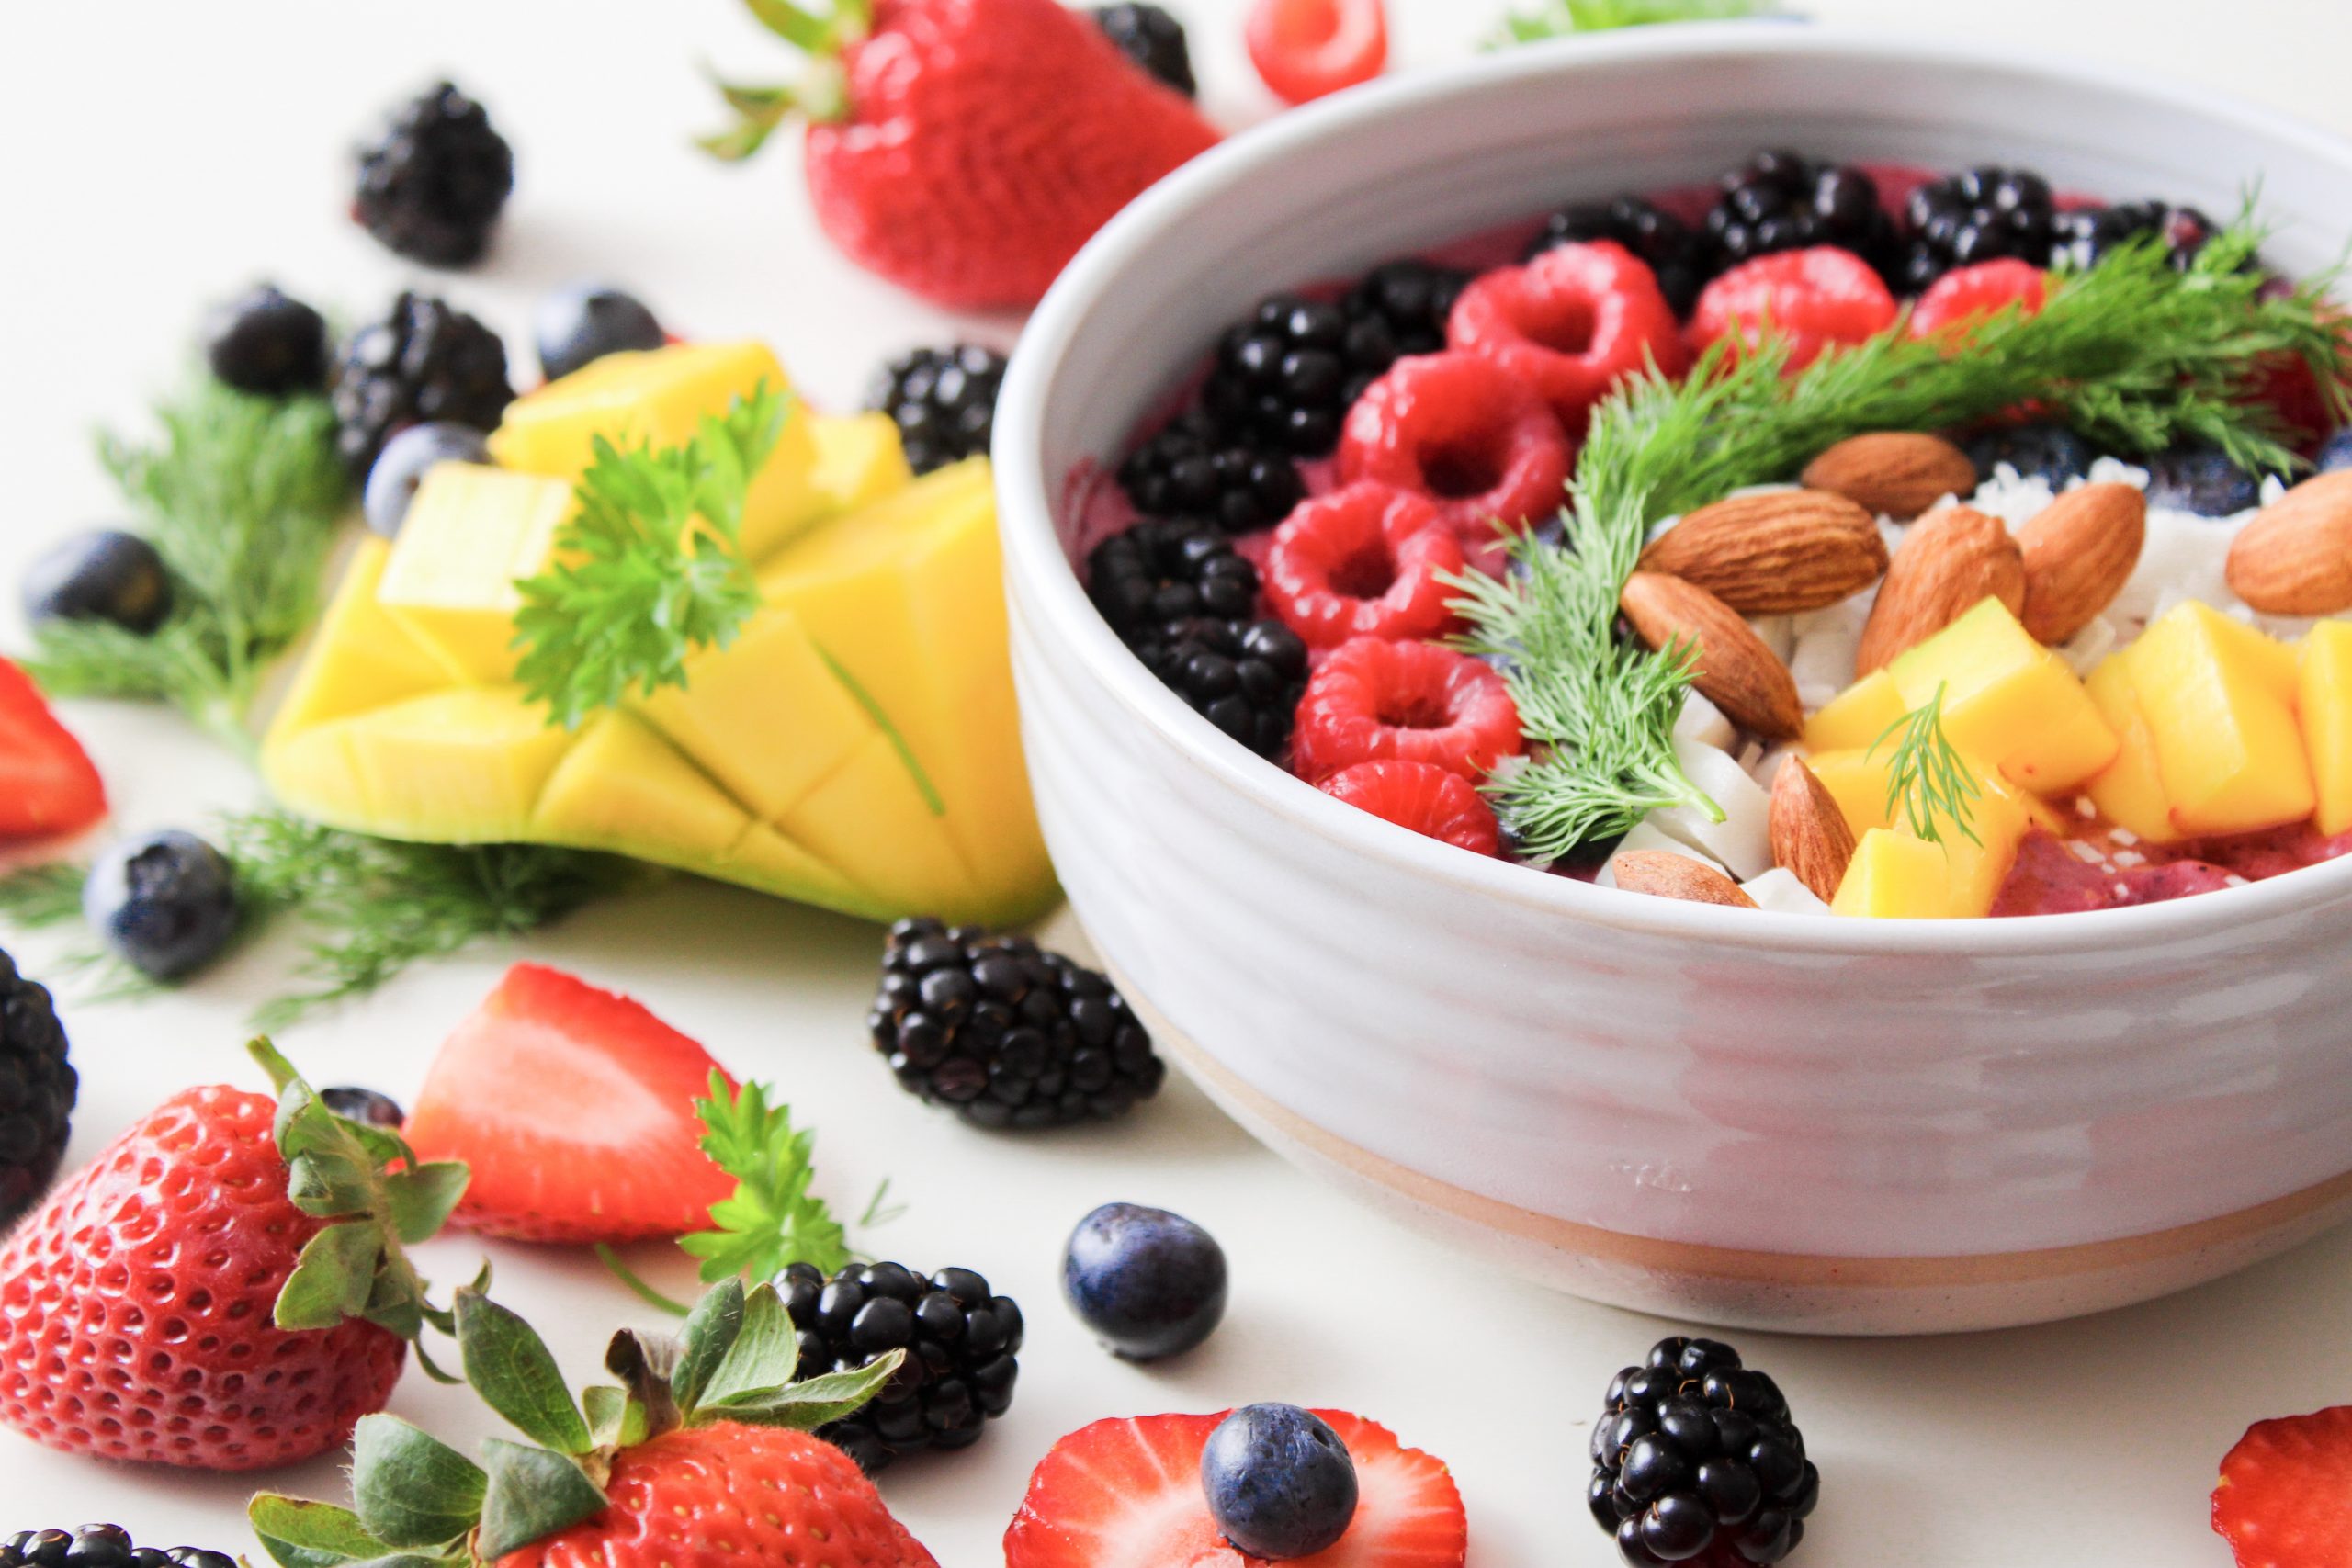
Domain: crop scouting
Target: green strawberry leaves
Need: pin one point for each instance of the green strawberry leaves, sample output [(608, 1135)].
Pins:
[(533, 1494), (412, 1490), (510, 1366), (382, 1200)]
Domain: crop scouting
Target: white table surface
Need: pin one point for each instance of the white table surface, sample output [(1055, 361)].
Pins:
[(157, 155)]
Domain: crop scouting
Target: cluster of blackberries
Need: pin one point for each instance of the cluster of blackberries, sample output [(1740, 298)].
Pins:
[(960, 1339), (100, 1546)]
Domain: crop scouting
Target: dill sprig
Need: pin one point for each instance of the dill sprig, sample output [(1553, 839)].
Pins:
[(1560, 18), (36, 898), (240, 496), (649, 567), (2132, 353), (1929, 783)]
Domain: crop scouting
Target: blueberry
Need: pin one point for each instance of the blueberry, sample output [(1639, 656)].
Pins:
[(2336, 453), (2201, 479), (364, 1105), (104, 575), (1148, 1283), (263, 343), (165, 902), (1280, 1482), (2048, 451), (406, 458), (586, 321)]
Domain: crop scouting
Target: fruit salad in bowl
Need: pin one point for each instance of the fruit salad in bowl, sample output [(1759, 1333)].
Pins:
[(1542, 487)]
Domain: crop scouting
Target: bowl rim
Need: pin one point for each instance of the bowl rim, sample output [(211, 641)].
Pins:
[(1041, 573)]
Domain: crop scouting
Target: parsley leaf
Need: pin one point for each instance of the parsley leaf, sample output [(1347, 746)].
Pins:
[(649, 567), (771, 1220)]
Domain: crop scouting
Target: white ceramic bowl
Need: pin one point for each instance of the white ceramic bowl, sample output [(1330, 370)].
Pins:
[(1834, 1125)]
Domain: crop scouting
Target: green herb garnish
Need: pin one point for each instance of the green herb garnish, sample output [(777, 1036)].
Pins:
[(770, 1219), (1559, 18), (1929, 783), (649, 567), (240, 498), (2134, 354)]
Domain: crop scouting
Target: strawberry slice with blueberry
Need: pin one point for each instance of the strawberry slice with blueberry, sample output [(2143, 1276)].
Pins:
[(2285, 1498), (576, 1109), (47, 783), (1130, 1494)]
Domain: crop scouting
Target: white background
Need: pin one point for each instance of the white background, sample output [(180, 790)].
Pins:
[(155, 156)]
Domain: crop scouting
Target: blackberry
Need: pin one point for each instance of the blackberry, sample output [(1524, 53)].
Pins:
[(1168, 568), (433, 182), (99, 1546), (423, 363), (1693, 1450), (1284, 377), (1153, 39), (37, 1086), (1781, 200), (266, 344), (1676, 251), (943, 401), (1245, 677), (961, 1343), (2083, 237), (1980, 215), (1192, 470), (1007, 1034), (1397, 309), (2051, 451)]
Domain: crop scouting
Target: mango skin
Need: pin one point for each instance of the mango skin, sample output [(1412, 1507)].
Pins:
[(2324, 698), (2221, 723), (768, 770), (2009, 700)]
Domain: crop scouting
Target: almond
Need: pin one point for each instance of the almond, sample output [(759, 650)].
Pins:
[(1736, 671), (1899, 473), (2295, 557), (1774, 554), (1953, 558), (1664, 875), (2079, 551), (1809, 834)]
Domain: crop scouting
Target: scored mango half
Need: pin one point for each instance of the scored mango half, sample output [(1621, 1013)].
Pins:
[(855, 746)]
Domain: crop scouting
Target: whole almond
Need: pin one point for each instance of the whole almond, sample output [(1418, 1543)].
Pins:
[(2078, 552), (1774, 554), (1952, 557), (1809, 834), (1663, 874), (1734, 670), (2295, 557), (1898, 473)]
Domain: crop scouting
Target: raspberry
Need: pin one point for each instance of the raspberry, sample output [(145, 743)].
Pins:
[(1815, 299), (1970, 292), (1462, 431), (1411, 700), (1571, 323), (1423, 798), (1364, 561)]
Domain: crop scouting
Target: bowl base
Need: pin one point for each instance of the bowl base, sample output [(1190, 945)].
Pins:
[(1785, 1293)]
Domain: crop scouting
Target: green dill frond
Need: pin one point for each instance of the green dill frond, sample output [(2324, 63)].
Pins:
[(1929, 783)]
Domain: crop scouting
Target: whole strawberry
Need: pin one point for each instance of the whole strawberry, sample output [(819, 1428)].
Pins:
[(966, 148), (174, 1302), (701, 1458)]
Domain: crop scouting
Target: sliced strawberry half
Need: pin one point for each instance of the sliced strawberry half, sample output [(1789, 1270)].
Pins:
[(1126, 1494), (47, 783), (575, 1109), (2285, 1500)]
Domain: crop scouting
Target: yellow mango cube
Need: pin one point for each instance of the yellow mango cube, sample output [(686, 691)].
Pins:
[(2000, 816), (1857, 716), (2227, 746), (461, 766), (660, 397), (470, 534), (1894, 877), (2009, 700), (2324, 703), (2130, 791)]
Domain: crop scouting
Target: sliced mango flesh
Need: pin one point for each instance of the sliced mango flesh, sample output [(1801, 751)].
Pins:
[(2008, 699), (1894, 877), (1973, 871), (2130, 791), (1856, 717), (855, 746), (2227, 746), (2324, 700)]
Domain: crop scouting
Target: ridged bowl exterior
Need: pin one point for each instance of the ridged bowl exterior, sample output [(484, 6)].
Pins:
[(1531, 1062)]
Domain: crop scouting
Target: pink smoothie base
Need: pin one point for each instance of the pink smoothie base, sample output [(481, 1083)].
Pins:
[(2052, 875)]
